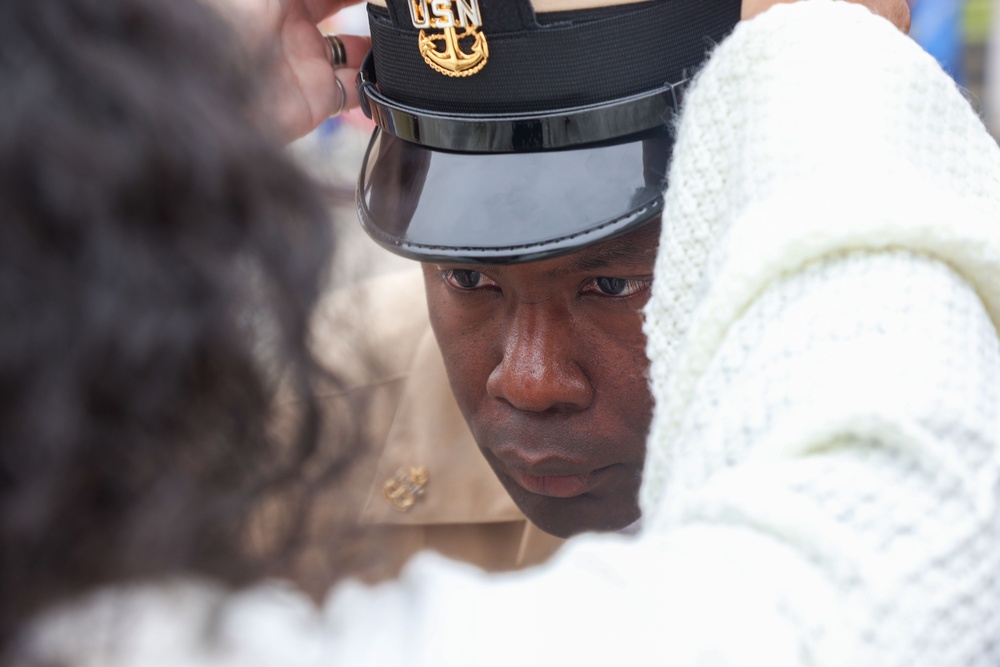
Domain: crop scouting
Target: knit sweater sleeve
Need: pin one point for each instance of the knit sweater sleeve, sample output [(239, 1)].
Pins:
[(839, 463), (824, 345)]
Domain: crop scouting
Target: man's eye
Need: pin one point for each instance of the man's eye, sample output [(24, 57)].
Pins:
[(616, 286), (466, 279)]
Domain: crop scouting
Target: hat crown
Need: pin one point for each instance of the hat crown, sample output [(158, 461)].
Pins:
[(502, 56)]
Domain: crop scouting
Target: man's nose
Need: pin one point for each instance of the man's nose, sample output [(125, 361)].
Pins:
[(540, 369)]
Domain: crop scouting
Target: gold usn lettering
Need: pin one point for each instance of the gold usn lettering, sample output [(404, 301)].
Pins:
[(444, 14), (418, 12), (443, 18), (457, 47)]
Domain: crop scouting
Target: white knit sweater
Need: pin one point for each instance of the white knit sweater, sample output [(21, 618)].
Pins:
[(823, 337), (822, 478)]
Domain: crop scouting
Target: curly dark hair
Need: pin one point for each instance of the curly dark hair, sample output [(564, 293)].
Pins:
[(160, 255)]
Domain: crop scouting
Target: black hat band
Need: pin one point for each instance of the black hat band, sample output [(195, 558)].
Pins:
[(563, 60)]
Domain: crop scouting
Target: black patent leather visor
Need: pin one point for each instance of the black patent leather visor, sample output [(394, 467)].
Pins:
[(502, 208), (501, 133)]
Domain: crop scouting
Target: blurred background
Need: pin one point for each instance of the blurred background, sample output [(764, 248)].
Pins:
[(963, 35)]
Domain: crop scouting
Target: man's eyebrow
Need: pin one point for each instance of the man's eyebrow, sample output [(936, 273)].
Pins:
[(614, 253), (627, 250)]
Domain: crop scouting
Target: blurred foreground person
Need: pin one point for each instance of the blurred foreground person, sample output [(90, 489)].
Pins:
[(821, 485), (159, 259)]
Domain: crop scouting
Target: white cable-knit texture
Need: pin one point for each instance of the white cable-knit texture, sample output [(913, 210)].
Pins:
[(825, 359), (818, 130), (823, 471)]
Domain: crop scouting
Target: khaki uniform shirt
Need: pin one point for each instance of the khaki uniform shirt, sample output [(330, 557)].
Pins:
[(422, 482)]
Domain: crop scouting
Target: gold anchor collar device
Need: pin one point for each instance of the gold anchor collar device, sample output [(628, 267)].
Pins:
[(403, 489)]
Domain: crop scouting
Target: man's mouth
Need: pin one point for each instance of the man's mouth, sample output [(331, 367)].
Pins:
[(555, 486), (554, 477)]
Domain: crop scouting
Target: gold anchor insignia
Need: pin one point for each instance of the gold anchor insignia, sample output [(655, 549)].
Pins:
[(403, 490), (449, 16)]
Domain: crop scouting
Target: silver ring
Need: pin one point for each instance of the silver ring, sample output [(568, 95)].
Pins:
[(343, 97), (337, 52)]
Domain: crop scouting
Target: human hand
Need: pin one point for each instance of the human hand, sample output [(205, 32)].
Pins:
[(896, 11), (302, 91)]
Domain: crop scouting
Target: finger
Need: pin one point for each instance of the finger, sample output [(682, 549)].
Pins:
[(898, 12), (895, 11), (347, 77), (355, 48)]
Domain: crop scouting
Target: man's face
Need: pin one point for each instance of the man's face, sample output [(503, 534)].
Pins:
[(547, 362)]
